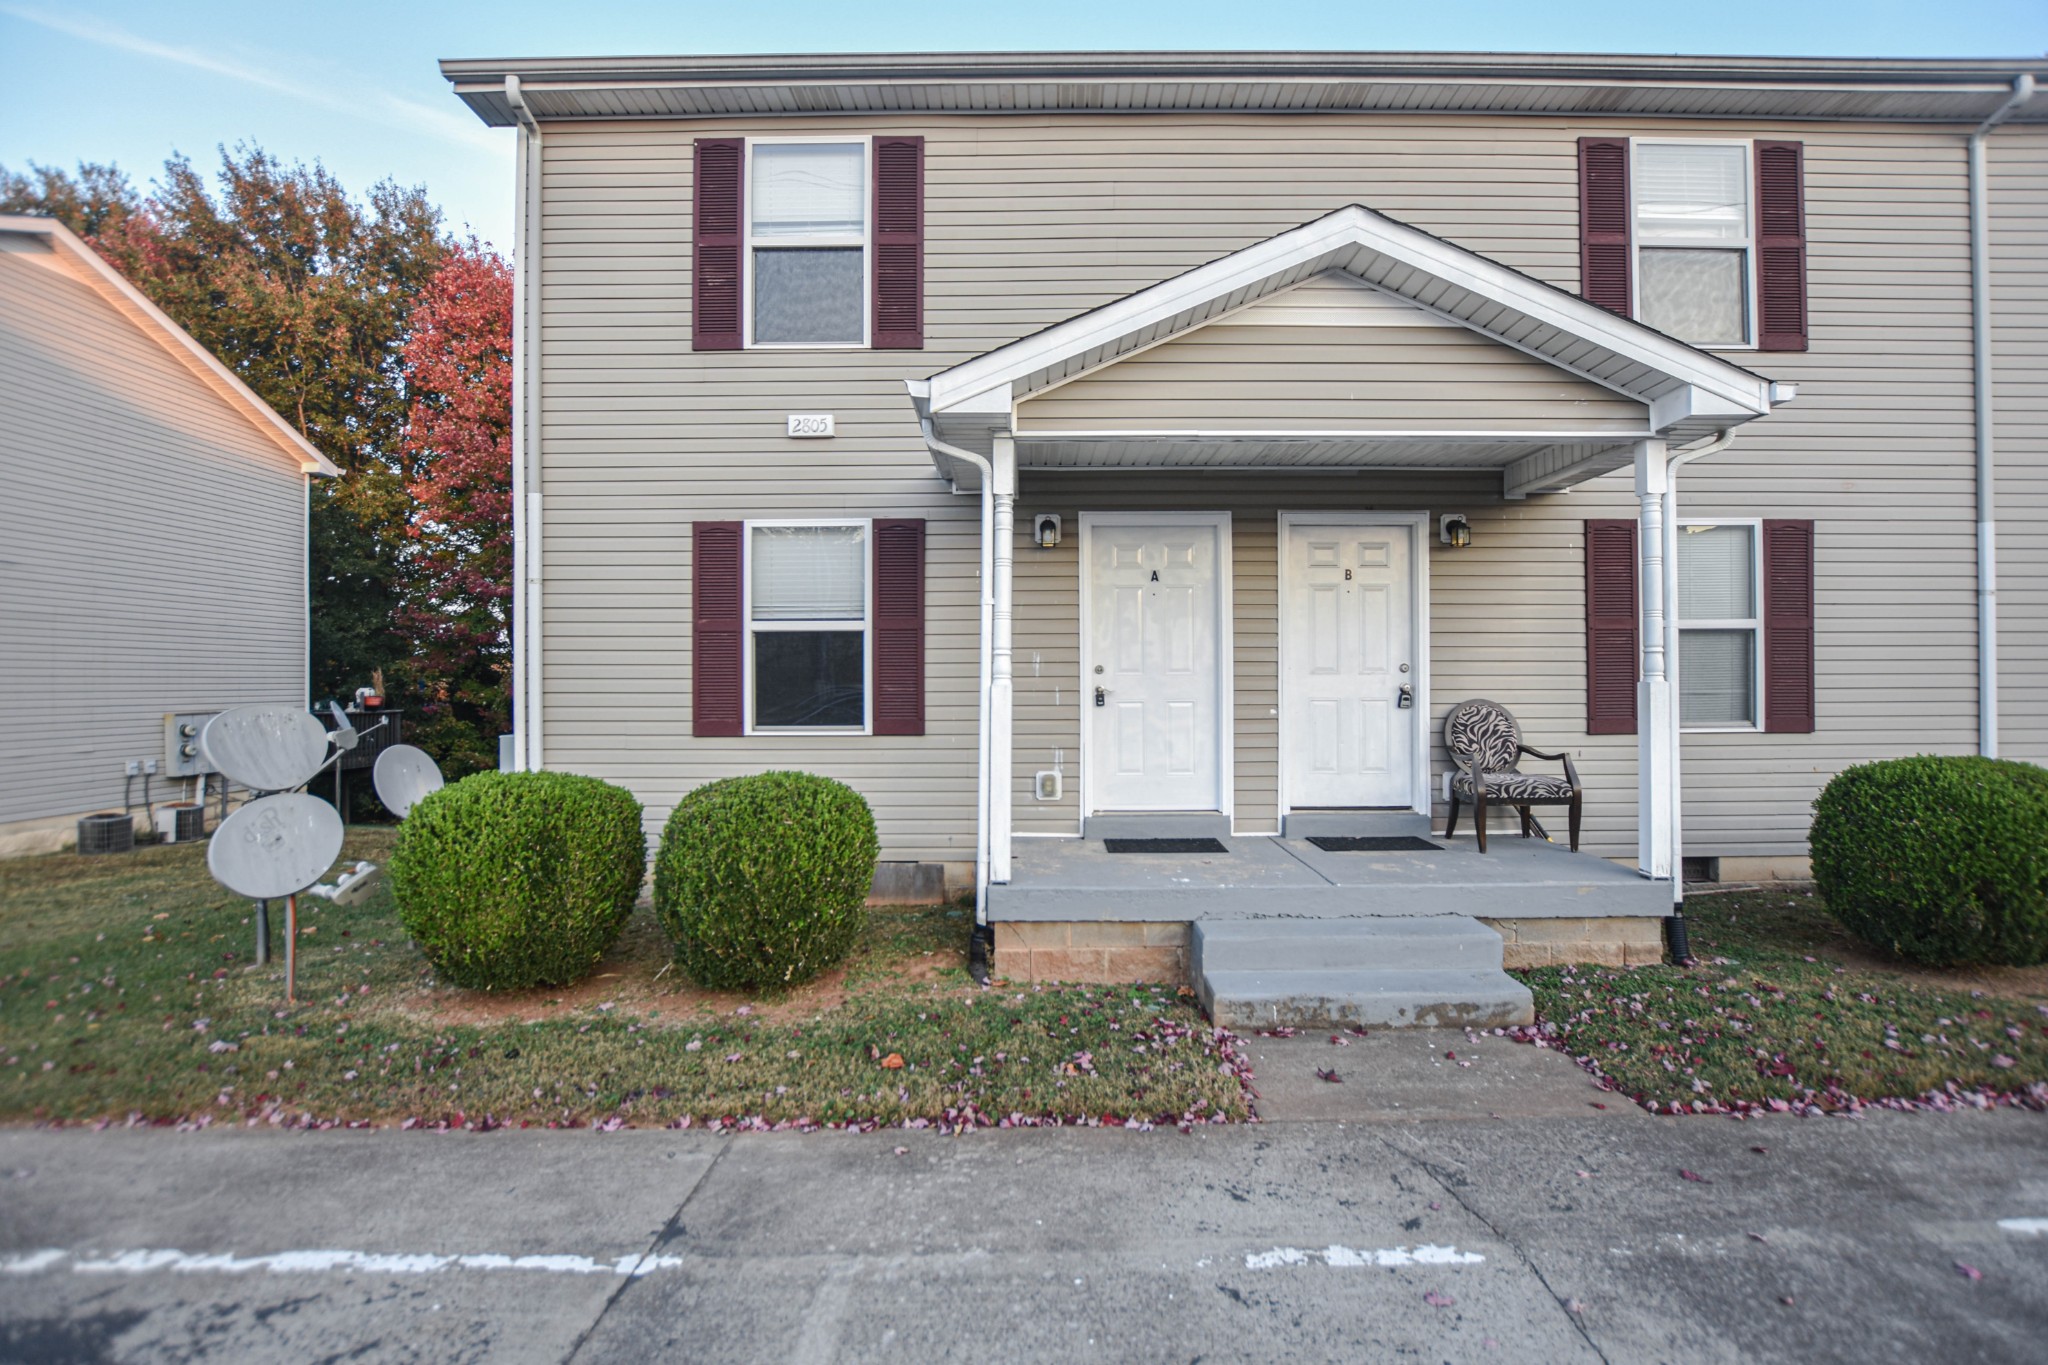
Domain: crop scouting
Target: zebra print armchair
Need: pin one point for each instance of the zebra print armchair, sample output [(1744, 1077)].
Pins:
[(1486, 744)]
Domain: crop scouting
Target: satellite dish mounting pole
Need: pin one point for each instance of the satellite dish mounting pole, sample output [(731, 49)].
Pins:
[(291, 946), (262, 932)]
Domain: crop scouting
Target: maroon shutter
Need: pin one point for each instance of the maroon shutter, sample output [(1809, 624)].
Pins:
[(1780, 246), (899, 627), (718, 635), (1788, 627), (899, 244), (717, 243), (1612, 623), (1603, 224)]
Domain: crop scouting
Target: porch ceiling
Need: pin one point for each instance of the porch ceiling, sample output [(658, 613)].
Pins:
[(1689, 394)]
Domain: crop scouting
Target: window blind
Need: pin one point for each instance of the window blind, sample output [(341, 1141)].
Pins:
[(809, 573)]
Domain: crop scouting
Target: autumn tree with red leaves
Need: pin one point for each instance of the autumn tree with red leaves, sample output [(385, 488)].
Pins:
[(457, 446)]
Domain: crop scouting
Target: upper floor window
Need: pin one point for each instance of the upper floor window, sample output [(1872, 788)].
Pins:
[(1694, 240), (807, 243)]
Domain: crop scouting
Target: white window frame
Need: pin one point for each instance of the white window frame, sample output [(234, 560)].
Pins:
[(865, 240), (1747, 245), (1753, 623), (866, 626)]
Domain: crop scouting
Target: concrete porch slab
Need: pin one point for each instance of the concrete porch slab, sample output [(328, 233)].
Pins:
[(1264, 876)]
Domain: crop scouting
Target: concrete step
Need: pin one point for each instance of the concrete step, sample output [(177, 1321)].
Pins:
[(1439, 971), (1419, 942), (1392, 999)]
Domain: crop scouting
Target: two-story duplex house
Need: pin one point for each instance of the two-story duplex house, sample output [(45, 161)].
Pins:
[(1067, 450)]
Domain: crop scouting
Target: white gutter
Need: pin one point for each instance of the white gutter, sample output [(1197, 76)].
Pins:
[(526, 524), (1987, 492), (1672, 464), (982, 786)]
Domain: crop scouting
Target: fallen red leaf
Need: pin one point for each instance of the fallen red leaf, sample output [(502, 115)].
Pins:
[(1436, 1300), (1329, 1076), (1694, 1176), (893, 1062), (1968, 1272)]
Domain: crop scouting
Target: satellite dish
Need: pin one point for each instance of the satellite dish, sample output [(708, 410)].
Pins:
[(403, 776), (265, 748), (276, 846), (343, 734)]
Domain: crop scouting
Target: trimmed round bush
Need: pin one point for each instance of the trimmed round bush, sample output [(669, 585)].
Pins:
[(762, 880), (1941, 860), (510, 880)]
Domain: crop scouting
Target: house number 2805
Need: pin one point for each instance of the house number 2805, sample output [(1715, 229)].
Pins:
[(810, 424)]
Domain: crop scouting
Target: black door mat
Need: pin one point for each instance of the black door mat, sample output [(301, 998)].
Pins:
[(1372, 843), (1164, 846)]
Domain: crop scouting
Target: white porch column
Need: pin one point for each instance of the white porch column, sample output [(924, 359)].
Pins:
[(1002, 741), (1656, 722)]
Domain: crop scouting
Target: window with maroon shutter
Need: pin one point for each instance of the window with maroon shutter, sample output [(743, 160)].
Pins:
[(898, 641), (1612, 626), (717, 632), (1604, 225), (717, 244), (898, 322), (1780, 246), (1788, 627)]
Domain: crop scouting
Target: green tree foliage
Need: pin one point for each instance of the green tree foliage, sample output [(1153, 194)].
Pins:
[(305, 293)]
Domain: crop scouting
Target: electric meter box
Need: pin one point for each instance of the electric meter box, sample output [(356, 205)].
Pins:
[(183, 755)]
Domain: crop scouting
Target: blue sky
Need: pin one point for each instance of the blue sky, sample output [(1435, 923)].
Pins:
[(354, 85)]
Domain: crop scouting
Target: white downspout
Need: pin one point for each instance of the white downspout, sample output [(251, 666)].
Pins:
[(1001, 666), (526, 440), (1980, 356), (982, 785), (1672, 465)]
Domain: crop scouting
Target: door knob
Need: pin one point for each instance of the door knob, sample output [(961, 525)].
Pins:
[(1407, 698), (1101, 696)]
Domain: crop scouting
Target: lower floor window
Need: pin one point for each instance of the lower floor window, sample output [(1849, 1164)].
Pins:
[(1719, 622), (807, 625)]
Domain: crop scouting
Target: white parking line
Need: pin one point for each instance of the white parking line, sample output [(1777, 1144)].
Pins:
[(319, 1262), (1341, 1257), (2030, 1227)]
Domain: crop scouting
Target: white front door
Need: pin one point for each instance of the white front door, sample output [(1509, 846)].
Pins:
[(1350, 638), (1152, 687)]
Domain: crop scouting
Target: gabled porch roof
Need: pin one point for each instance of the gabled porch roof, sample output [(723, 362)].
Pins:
[(1687, 394)]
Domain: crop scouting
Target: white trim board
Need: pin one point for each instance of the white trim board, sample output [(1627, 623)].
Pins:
[(1418, 524), (1226, 649)]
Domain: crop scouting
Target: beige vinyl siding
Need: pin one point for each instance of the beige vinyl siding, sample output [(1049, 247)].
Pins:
[(152, 545), (1034, 218), (1227, 377), (2018, 162)]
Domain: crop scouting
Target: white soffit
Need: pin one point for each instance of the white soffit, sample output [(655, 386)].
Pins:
[(1447, 280)]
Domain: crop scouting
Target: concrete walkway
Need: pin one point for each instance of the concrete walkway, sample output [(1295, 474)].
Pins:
[(1511, 1239)]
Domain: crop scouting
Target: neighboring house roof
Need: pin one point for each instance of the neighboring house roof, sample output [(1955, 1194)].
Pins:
[(88, 266), (1688, 393), (1944, 90)]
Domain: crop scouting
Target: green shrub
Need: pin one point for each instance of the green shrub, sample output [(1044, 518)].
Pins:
[(1941, 860), (761, 880), (509, 880)]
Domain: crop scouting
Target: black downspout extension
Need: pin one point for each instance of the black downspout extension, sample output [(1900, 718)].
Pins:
[(1675, 936), (981, 952)]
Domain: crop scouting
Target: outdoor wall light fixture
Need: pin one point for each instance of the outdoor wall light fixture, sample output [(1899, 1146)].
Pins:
[(1454, 530), (1045, 529)]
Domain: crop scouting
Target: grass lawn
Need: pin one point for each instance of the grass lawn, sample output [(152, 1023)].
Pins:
[(127, 993), (1786, 1011)]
